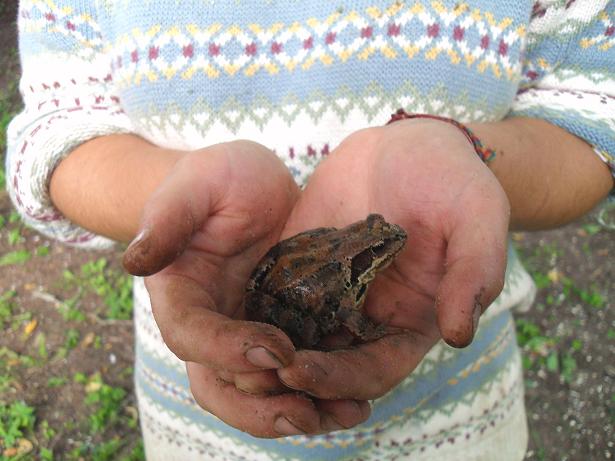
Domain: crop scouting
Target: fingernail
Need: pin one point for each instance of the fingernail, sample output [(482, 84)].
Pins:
[(139, 238), (284, 427), (329, 424), (136, 254), (262, 358)]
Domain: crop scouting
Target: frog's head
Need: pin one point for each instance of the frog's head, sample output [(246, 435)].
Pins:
[(382, 243)]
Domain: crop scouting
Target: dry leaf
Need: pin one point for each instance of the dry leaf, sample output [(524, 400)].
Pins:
[(88, 340), (93, 386), (29, 328), (553, 275), (23, 446), (132, 412)]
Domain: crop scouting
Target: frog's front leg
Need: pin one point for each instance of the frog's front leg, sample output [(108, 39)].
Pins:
[(359, 325)]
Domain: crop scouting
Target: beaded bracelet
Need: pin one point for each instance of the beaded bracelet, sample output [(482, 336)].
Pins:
[(486, 154)]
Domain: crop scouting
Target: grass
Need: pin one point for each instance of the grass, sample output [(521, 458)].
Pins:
[(103, 413), (113, 286), (16, 420), (551, 353)]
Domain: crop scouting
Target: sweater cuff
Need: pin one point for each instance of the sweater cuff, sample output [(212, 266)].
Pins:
[(35, 152)]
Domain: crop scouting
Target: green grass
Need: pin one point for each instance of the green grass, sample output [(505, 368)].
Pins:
[(548, 353), (16, 420), (7, 305), (113, 286), (15, 257), (106, 401)]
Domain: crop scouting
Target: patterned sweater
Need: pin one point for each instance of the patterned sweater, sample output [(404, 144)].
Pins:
[(299, 77)]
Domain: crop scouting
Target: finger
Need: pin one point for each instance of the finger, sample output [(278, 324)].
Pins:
[(169, 220), (365, 372), (342, 414), (264, 382), (195, 332), (264, 416), (474, 277)]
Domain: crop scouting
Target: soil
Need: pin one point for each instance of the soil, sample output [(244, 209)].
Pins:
[(571, 409)]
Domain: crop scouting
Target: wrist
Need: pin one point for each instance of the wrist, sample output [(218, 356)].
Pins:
[(485, 153), (550, 175), (103, 184)]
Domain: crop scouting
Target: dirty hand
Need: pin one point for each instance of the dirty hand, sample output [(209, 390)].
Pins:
[(425, 176), (201, 234)]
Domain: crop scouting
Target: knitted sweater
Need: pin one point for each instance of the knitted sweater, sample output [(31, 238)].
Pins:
[(299, 77)]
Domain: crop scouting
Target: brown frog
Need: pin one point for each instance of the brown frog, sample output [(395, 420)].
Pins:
[(312, 284)]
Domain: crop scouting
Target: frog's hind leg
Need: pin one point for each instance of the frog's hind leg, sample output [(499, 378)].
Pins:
[(301, 329)]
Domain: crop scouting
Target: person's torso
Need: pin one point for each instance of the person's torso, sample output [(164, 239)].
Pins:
[(300, 76)]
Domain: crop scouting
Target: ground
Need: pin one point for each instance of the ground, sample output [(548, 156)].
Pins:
[(66, 346)]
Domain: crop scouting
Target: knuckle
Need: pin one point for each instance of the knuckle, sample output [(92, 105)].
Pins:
[(174, 341)]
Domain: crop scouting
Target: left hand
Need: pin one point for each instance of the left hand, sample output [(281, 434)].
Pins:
[(425, 176), (204, 229)]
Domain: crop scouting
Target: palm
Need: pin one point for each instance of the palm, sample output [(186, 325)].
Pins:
[(204, 230), (209, 223), (222, 253), (427, 179)]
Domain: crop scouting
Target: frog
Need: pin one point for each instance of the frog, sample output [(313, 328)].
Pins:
[(314, 284)]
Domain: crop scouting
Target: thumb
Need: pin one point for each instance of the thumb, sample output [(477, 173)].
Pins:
[(476, 264), (170, 217)]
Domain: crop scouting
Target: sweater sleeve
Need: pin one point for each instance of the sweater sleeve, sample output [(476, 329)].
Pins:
[(569, 71), (69, 98)]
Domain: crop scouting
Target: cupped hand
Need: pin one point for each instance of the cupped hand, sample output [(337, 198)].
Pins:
[(201, 234), (425, 176)]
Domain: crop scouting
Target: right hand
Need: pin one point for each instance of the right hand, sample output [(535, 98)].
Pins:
[(201, 234)]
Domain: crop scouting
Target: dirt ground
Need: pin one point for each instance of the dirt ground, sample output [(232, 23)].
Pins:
[(68, 357)]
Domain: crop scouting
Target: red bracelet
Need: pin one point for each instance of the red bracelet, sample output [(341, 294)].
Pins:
[(486, 154)]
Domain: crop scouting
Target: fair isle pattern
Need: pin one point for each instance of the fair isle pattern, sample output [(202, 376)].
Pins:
[(61, 112), (156, 53), (372, 102), (557, 19), (49, 17), (605, 39), (501, 403), (163, 384), (455, 437), (338, 37)]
